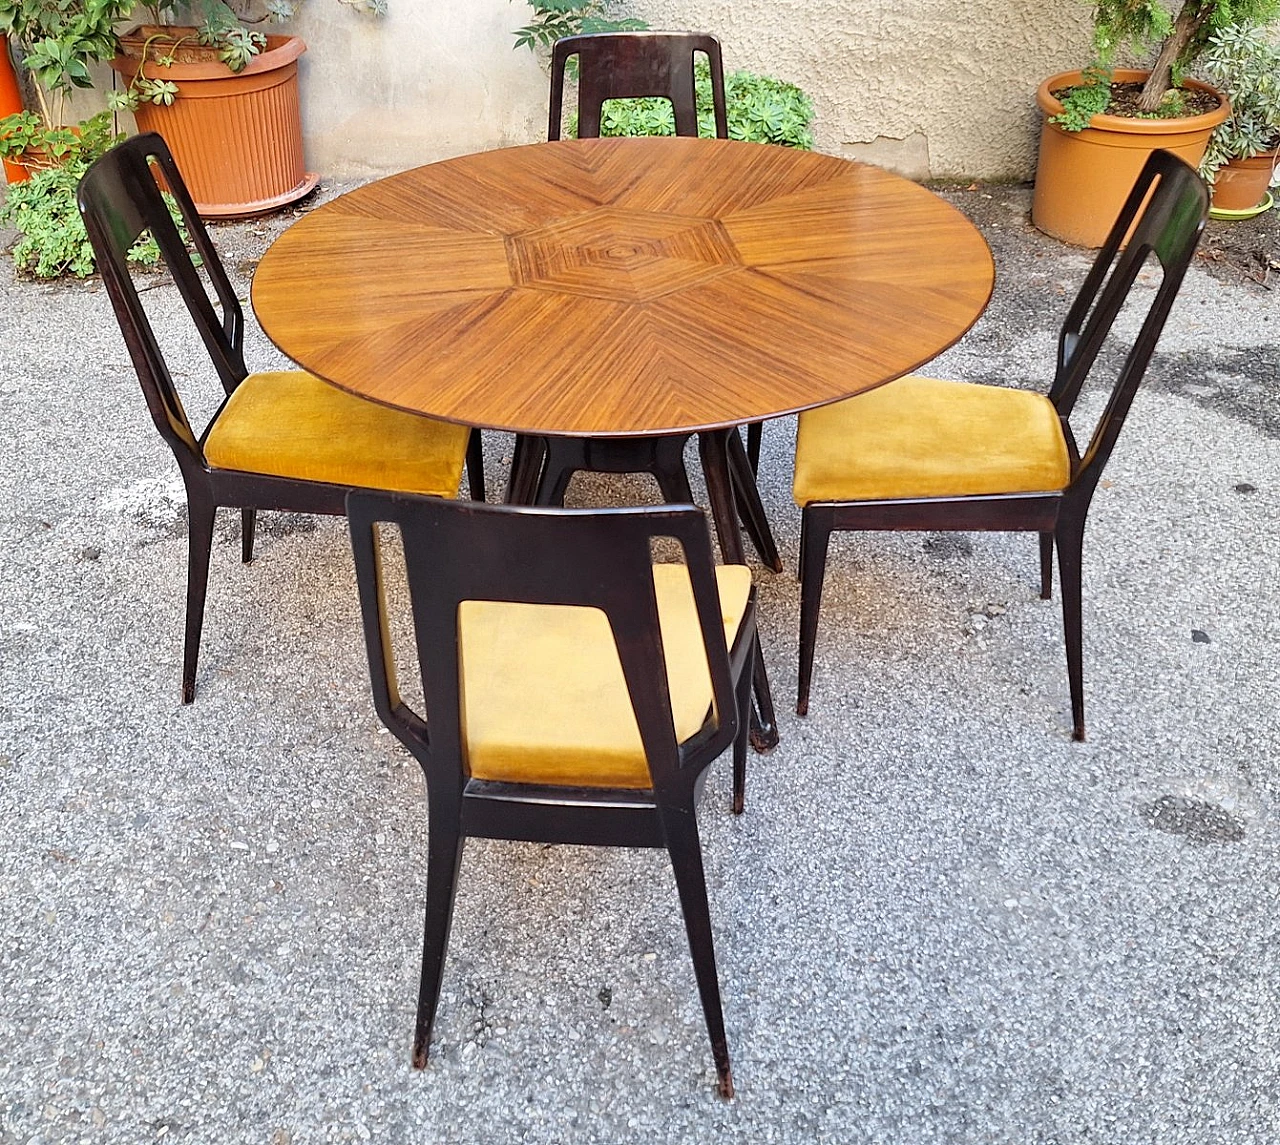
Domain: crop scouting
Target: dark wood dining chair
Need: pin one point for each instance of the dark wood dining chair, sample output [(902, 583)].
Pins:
[(574, 691), (626, 65), (280, 440), (924, 454)]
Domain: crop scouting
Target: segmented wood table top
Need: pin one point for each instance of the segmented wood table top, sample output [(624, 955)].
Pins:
[(623, 286)]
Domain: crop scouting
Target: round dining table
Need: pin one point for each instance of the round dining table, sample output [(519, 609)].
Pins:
[(625, 288)]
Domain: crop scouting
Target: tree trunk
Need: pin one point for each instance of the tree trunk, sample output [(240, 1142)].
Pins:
[(1189, 24)]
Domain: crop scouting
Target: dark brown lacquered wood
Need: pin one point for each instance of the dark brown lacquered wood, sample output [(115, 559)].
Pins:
[(623, 286)]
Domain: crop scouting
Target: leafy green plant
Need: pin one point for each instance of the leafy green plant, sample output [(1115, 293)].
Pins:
[(555, 19), (1246, 65), (760, 110), (1141, 26), (58, 40), (52, 240)]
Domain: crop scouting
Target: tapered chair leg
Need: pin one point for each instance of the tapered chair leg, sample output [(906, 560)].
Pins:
[(444, 856), (742, 693), (754, 433), (1046, 566), (475, 465), (200, 514), (815, 536), (686, 862), (248, 518), (1070, 538), (673, 481), (764, 728), (553, 484)]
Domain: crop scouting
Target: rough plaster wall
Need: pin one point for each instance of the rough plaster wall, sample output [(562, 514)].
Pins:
[(431, 79), (930, 87)]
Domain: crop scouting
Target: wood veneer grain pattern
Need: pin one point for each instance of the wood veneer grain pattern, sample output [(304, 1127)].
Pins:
[(623, 287)]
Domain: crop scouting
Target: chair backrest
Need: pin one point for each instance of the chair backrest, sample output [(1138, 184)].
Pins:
[(1169, 221), (457, 551), (626, 65), (121, 200)]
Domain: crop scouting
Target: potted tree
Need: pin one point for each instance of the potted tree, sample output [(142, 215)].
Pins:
[(1244, 150), (1101, 122), (225, 97)]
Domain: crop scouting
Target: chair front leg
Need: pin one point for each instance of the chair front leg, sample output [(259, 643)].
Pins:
[(1046, 566), (681, 828), (1070, 539), (200, 515), (815, 536), (248, 519), (742, 695), (444, 856)]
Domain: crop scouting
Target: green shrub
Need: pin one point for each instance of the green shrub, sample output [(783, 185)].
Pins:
[(760, 110)]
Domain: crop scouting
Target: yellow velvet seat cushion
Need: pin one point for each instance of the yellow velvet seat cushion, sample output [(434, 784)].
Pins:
[(921, 437), (543, 695), (291, 424)]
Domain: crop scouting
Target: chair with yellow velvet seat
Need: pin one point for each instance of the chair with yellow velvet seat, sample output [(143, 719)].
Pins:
[(924, 454), (573, 690), (281, 440)]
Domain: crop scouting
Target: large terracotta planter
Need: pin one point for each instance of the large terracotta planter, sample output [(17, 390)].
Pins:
[(236, 136), (1242, 183), (1083, 177)]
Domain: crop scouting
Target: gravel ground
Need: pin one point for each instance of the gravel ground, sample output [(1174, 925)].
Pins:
[(939, 920)]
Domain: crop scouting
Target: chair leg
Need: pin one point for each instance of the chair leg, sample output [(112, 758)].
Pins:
[(475, 465), (742, 694), (750, 507), (670, 473), (1070, 538), (815, 535), (686, 861), (1046, 566), (444, 856), (200, 514), (764, 727), (754, 433), (248, 519)]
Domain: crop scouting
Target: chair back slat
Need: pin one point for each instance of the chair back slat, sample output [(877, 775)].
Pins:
[(121, 199), (459, 551), (1170, 204), (627, 65)]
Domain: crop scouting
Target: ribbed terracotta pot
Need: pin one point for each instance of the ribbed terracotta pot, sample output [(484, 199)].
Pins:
[(1242, 183), (1083, 177), (236, 136)]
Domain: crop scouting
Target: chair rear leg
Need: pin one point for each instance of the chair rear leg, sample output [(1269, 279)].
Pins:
[(248, 519), (1070, 538), (444, 856), (764, 728), (200, 514), (670, 473), (686, 861), (475, 465), (1046, 566), (815, 536)]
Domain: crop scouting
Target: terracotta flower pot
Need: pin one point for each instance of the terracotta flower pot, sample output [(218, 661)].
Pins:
[(236, 136), (1242, 183), (1083, 177)]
